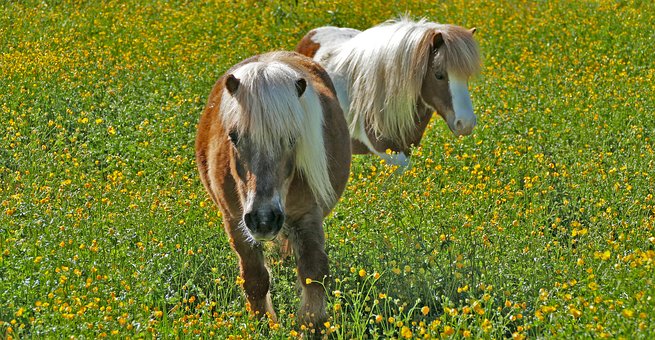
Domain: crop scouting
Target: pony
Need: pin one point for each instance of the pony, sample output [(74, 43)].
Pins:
[(391, 78), (273, 152)]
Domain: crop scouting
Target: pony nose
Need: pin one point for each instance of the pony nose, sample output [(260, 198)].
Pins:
[(264, 223), (464, 127)]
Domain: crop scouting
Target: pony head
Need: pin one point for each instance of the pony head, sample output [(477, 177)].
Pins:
[(453, 58), (273, 120)]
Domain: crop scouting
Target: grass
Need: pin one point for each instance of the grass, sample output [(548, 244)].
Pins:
[(540, 224)]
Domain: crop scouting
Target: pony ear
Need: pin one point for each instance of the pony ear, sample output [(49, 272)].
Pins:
[(232, 84), (437, 41), (473, 30), (301, 85)]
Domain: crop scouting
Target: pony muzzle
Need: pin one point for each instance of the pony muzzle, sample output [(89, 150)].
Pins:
[(464, 127), (464, 117), (264, 223)]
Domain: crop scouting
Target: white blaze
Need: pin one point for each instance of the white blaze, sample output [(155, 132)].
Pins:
[(464, 117)]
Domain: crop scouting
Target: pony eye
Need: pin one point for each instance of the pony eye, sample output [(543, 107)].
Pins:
[(234, 137), (440, 76)]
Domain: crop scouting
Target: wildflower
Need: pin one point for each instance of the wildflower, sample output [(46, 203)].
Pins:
[(576, 313), (19, 312), (362, 272), (448, 331), (425, 310), (406, 332), (518, 336), (478, 309), (593, 286), (548, 309), (486, 325)]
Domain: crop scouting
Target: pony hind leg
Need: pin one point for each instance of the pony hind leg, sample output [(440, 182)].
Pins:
[(255, 275), (308, 241), (285, 247)]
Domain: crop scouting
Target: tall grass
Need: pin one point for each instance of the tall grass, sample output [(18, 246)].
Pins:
[(540, 224)]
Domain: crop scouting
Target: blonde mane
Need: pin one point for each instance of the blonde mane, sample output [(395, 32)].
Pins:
[(267, 108), (385, 67)]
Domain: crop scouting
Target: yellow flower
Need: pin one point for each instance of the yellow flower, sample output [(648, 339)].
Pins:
[(20, 311), (486, 325), (406, 332), (425, 310), (308, 281), (478, 309), (593, 286), (362, 272)]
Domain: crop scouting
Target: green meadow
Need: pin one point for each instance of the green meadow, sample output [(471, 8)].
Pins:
[(539, 225)]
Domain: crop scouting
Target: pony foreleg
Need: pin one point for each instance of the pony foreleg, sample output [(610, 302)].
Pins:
[(255, 276), (309, 249)]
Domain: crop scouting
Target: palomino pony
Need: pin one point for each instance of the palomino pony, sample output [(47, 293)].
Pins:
[(273, 152), (392, 77)]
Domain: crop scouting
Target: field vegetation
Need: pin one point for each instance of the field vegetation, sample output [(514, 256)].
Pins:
[(539, 225)]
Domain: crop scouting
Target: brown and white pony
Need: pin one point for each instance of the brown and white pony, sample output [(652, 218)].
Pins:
[(273, 152), (391, 78)]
